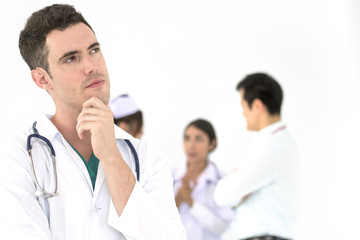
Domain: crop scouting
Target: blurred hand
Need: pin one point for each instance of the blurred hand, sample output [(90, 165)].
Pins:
[(184, 193)]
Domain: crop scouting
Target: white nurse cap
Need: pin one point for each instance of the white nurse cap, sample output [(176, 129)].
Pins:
[(123, 106)]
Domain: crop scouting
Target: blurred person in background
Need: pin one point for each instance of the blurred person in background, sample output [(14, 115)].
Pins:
[(194, 185), (127, 115), (264, 187)]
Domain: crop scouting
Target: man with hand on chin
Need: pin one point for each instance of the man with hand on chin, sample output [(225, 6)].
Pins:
[(98, 195)]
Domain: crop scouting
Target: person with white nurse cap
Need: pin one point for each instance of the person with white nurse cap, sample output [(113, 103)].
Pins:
[(127, 115)]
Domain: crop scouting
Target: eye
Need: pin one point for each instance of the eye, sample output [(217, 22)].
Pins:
[(95, 50), (70, 59), (199, 139), (186, 138)]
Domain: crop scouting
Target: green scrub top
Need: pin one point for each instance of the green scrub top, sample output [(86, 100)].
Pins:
[(91, 166)]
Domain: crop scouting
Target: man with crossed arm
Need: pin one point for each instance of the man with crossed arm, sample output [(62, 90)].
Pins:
[(264, 188)]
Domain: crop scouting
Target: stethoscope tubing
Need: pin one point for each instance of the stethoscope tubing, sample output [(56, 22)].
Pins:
[(137, 165), (44, 193)]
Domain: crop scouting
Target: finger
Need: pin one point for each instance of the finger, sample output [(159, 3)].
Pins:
[(81, 129), (84, 126), (96, 109), (91, 113), (81, 133), (94, 102), (87, 119), (96, 114)]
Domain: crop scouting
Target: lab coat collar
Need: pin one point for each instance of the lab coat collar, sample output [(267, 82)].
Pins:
[(271, 128), (210, 174), (121, 134), (47, 129)]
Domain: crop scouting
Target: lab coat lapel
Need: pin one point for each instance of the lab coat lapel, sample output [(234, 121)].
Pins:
[(48, 130), (79, 162), (100, 177), (206, 177)]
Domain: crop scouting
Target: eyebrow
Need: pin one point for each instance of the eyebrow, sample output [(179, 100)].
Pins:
[(93, 45), (67, 54)]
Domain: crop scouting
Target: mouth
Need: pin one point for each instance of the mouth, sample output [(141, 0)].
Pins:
[(96, 83), (191, 155)]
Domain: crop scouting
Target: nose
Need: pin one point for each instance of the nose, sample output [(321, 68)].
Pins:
[(90, 65), (192, 144), (189, 144)]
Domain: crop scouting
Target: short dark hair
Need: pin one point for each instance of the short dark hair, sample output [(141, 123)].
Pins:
[(135, 121), (264, 87), (204, 126), (32, 38)]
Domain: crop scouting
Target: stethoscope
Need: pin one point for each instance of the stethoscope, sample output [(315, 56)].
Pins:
[(42, 192)]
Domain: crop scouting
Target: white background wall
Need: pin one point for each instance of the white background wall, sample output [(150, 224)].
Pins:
[(181, 60)]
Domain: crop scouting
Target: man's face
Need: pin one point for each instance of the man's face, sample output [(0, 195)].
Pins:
[(77, 67), (249, 113)]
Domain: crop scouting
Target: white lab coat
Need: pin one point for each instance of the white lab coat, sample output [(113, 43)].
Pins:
[(81, 212), (204, 220), (270, 173)]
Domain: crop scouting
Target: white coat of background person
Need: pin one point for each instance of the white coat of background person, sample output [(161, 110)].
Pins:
[(98, 196), (265, 185), (195, 183)]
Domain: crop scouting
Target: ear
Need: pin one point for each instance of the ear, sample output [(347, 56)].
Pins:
[(212, 145), (41, 78), (258, 105), (124, 126)]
